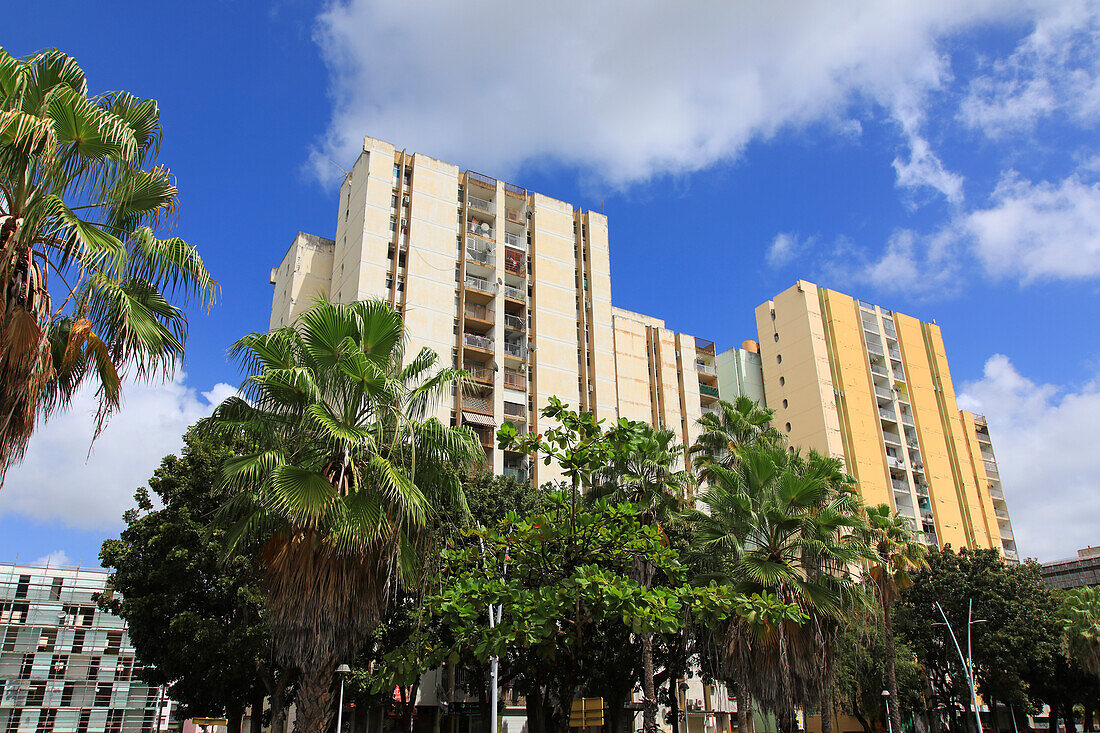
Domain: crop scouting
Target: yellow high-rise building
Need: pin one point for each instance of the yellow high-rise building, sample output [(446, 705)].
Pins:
[(859, 382), (509, 284)]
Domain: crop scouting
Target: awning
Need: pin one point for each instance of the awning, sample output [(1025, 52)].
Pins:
[(476, 418)]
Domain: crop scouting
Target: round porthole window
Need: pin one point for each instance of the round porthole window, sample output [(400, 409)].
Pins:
[(778, 358), (782, 381), (777, 337), (788, 427), (784, 404)]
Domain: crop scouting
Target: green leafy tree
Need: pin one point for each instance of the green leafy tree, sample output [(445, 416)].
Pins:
[(86, 280), (1016, 642), (1080, 612), (896, 555), (775, 524), (195, 616), (347, 471), (644, 469)]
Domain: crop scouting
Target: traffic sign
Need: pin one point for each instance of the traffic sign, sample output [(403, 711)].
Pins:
[(587, 712)]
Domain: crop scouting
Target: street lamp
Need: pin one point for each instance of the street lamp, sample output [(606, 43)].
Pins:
[(886, 702), (342, 670), (968, 663)]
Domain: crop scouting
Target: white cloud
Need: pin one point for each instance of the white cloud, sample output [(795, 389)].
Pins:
[(630, 91), (59, 481), (1038, 231), (1055, 69), (921, 266), (55, 559), (1044, 437), (785, 248)]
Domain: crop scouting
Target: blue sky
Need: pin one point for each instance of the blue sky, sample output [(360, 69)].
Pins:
[(938, 158)]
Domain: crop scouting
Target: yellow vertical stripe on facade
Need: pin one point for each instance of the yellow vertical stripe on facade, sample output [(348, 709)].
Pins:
[(981, 478)]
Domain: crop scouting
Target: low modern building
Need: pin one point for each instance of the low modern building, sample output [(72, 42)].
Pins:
[(65, 665), (1074, 572)]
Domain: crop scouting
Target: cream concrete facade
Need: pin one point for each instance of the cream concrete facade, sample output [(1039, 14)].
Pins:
[(859, 382), (510, 284), (741, 373)]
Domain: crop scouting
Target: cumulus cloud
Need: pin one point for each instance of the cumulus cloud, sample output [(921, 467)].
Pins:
[(1038, 231), (59, 481), (925, 267), (630, 91), (785, 248), (1044, 438), (55, 559), (1055, 69)]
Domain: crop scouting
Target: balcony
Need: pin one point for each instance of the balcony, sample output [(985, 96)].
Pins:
[(515, 262), (511, 292), (995, 492), (1006, 531), (479, 290), (895, 462), (1001, 513), (884, 392), (879, 368), (991, 469), (875, 348), (708, 391), (887, 413), (891, 437), (516, 216), (515, 323), (480, 228), (483, 375), (515, 411), (515, 351), (480, 405), (907, 418), (475, 341), (515, 380), (515, 240), (705, 368), (901, 486), (474, 202), (516, 474), (478, 317)]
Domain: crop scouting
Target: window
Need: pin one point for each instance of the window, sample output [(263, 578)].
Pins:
[(22, 586), (778, 358), (93, 668), (10, 636), (67, 694), (124, 669), (47, 640), (784, 404), (777, 338), (13, 720), (393, 200), (396, 171), (114, 642), (78, 641), (13, 613), (58, 666), (782, 381), (85, 718), (46, 719), (25, 667), (393, 223), (103, 694), (36, 695), (147, 721), (788, 426), (55, 589)]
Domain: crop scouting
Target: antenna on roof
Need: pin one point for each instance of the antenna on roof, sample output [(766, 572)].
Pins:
[(346, 174)]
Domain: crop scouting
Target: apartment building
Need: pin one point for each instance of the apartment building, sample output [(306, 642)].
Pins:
[(65, 665), (862, 383), (507, 283)]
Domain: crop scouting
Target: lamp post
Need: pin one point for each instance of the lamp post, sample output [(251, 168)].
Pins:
[(342, 670), (967, 663), (886, 702)]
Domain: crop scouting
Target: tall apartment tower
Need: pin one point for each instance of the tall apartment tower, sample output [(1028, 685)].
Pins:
[(65, 665), (870, 386), (509, 284)]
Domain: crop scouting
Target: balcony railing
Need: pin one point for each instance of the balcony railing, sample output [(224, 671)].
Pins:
[(705, 368), (900, 486), (515, 262), (478, 242), (515, 350), (515, 380), (887, 414), (891, 437), (477, 342), (991, 469), (907, 418), (480, 373), (512, 409), (515, 322), (480, 312), (879, 369), (480, 204), (516, 474), (1001, 513), (477, 404), (515, 240), (895, 462), (515, 216), (875, 348), (480, 229), (480, 283), (708, 390), (884, 392), (513, 293), (481, 256)]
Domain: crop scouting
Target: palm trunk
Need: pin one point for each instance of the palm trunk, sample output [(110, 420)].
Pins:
[(1053, 722), (891, 673), (314, 703), (234, 714), (410, 705), (1071, 722), (649, 690), (744, 708), (827, 705)]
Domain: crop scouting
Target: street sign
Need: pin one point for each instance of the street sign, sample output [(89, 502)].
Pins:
[(210, 721), (587, 712)]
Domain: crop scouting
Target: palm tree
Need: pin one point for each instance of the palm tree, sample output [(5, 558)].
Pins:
[(726, 430), (82, 199), (644, 471), (895, 556), (337, 487), (1080, 612), (773, 524)]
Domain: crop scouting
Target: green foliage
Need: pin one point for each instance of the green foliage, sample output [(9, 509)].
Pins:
[(83, 200), (195, 616), (1080, 614), (861, 654), (1014, 646)]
